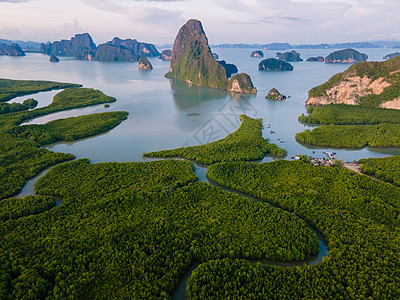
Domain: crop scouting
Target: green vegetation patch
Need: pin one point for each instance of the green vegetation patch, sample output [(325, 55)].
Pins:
[(246, 143), (14, 208), (342, 114), (10, 89), (386, 168), (21, 157), (352, 136), (358, 216), (70, 129), (6, 108), (130, 230)]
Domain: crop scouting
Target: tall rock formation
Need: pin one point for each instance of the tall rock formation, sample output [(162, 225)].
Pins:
[(192, 60), (81, 46)]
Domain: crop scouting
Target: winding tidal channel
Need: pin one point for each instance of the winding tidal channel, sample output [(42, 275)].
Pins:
[(180, 292)]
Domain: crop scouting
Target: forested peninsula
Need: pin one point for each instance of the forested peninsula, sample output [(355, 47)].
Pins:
[(246, 143)]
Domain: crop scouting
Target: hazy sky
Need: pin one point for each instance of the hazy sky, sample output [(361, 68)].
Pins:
[(225, 21)]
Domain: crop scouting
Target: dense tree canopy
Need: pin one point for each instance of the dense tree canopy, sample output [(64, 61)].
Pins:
[(10, 89), (246, 143), (22, 158), (342, 114), (359, 217), (386, 168), (129, 230), (352, 136)]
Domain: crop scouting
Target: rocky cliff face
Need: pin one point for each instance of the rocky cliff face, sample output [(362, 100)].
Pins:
[(350, 90), (80, 46), (106, 52), (11, 50), (368, 83), (192, 60), (139, 49), (241, 83), (346, 56)]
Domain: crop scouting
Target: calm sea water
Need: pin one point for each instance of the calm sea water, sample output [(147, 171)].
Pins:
[(166, 114)]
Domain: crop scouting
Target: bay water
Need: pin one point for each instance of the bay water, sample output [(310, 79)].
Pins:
[(165, 114)]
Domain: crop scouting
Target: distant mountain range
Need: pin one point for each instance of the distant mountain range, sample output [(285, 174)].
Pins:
[(31, 45), (287, 46)]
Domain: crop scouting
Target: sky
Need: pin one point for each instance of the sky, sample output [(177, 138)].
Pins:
[(224, 21)]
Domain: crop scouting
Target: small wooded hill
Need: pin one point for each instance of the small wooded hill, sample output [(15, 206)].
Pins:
[(365, 83)]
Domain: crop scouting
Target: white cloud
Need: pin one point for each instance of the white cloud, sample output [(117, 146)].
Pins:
[(72, 26)]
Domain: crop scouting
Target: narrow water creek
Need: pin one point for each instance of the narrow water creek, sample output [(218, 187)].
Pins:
[(180, 292), (200, 170)]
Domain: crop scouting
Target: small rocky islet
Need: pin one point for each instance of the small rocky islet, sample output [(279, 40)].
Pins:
[(273, 64), (291, 56), (144, 64), (54, 58), (274, 94), (316, 59), (257, 54)]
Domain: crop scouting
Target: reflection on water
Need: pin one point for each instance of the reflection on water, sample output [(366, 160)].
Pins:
[(187, 96), (43, 98)]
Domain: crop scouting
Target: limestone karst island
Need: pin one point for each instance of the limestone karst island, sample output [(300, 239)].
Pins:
[(193, 62)]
